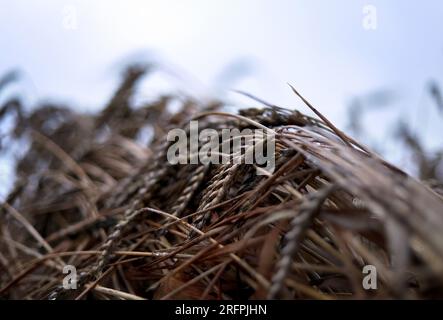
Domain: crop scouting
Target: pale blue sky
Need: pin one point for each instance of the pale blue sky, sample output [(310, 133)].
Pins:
[(320, 46)]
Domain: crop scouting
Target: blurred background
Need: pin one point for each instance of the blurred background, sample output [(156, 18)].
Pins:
[(372, 67)]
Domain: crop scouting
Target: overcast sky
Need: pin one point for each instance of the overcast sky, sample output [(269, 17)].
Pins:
[(72, 51)]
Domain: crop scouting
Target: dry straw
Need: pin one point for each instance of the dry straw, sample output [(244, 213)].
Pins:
[(87, 194)]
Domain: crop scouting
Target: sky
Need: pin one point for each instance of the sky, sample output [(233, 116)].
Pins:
[(331, 50)]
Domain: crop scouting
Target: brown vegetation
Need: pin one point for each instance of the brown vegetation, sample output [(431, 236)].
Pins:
[(87, 194)]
